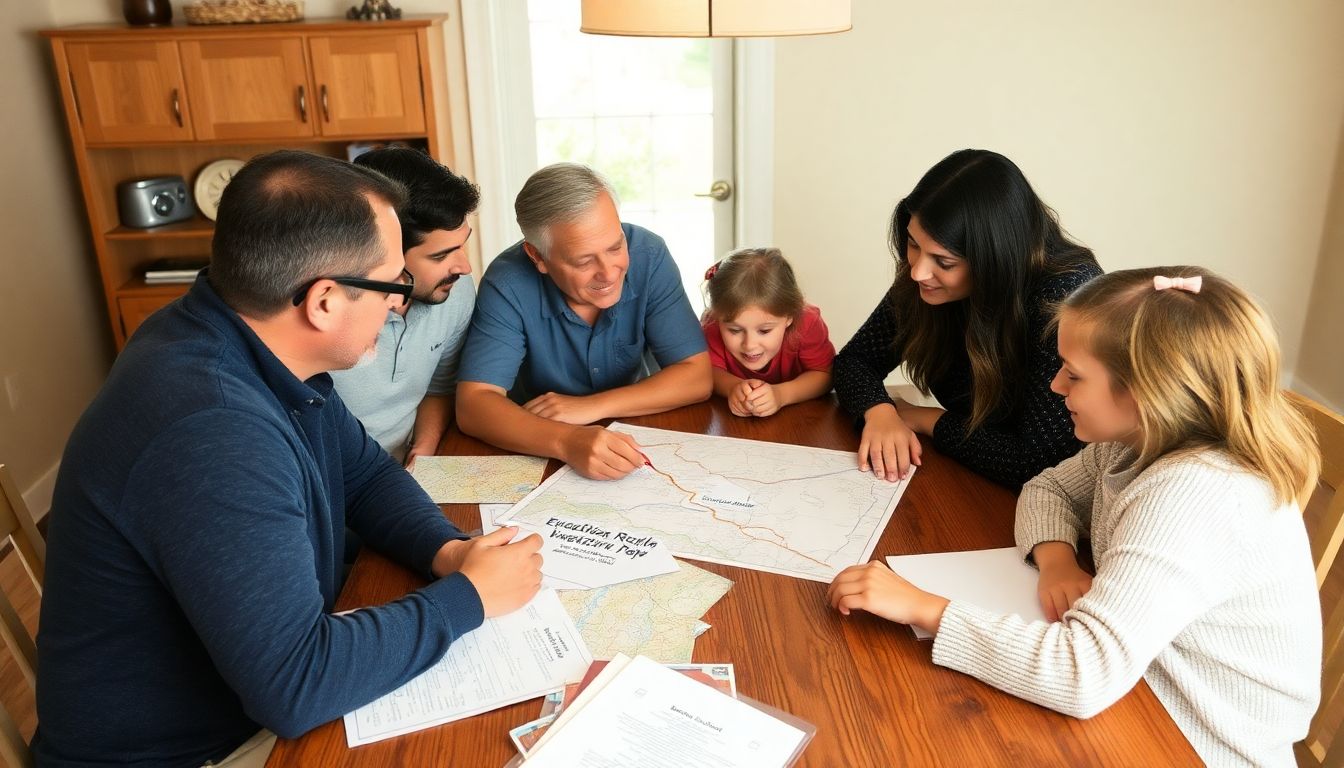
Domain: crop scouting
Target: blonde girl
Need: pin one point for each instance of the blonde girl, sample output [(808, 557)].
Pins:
[(769, 348), (1187, 493)]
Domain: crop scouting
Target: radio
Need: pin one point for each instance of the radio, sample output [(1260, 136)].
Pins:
[(145, 203)]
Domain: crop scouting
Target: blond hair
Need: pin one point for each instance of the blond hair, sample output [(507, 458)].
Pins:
[(747, 277), (1203, 369)]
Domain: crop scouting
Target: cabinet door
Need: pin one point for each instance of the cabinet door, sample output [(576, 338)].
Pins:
[(129, 92), (248, 89), (137, 309), (367, 84)]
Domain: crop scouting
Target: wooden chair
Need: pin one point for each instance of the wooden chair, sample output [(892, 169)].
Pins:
[(17, 525), (1324, 745)]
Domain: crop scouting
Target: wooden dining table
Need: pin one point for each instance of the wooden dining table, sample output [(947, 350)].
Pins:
[(868, 685)]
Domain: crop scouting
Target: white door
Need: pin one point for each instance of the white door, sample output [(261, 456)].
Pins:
[(655, 116)]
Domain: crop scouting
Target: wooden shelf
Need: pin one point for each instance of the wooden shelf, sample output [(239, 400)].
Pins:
[(197, 227), (137, 286), (166, 101)]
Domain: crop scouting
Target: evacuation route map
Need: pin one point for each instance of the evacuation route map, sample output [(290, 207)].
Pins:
[(801, 512)]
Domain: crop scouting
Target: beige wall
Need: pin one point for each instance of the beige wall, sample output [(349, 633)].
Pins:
[(1320, 370), (54, 343), (1196, 131)]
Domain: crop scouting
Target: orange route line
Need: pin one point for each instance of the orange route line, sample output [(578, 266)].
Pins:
[(676, 449), (690, 495)]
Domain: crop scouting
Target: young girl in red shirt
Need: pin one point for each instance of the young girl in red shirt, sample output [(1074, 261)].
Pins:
[(769, 348)]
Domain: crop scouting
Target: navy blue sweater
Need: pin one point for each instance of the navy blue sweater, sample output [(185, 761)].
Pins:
[(195, 553)]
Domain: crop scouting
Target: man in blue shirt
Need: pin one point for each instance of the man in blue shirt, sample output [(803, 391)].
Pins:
[(199, 516), (562, 321)]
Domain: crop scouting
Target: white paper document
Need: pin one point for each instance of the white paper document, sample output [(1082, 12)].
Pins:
[(995, 579), (525, 654), (647, 715), (580, 554)]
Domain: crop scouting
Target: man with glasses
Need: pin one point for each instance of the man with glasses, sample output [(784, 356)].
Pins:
[(197, 527), (403, 393)]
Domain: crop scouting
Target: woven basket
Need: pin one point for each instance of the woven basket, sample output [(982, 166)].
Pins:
[(243, 11)]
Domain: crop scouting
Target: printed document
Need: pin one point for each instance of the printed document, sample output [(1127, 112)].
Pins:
[(523, 655), (580, 554)]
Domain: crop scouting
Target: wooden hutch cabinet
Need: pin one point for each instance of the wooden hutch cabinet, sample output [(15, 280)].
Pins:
[(145, 102)]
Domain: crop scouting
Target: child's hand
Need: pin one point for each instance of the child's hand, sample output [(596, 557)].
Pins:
[(875, 588), (763, 399), (737, 399), (887, 445), (1060, 586)]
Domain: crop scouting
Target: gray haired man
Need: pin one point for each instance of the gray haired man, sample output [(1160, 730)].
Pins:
[(562, 321)]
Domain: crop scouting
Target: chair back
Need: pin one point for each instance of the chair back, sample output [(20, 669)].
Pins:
[(1324, 745), (17, 525), (1330, 435)]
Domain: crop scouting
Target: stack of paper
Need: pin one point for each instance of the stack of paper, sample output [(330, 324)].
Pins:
[(525, 737), (174, 270), (638, 712), (519, 656)]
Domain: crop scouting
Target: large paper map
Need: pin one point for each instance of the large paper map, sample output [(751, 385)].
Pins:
[(802, 512)]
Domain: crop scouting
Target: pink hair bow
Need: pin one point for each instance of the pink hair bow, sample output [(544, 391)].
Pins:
[(713, 270), (1191, 284)]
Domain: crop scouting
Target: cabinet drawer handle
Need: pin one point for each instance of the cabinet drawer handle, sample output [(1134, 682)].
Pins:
[(303, 104), (177, 109), (326, 111)]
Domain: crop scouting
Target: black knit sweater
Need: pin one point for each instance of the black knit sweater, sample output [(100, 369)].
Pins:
[(1017, 440)]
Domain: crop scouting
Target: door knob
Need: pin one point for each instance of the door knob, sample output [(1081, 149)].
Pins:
[(719, 190)]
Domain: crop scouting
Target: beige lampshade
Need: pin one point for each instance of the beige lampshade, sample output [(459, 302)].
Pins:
[(714, 18)]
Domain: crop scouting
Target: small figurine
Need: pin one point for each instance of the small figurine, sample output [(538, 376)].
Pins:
[(373, 10)]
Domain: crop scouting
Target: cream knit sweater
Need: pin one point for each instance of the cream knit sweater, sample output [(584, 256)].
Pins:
[(1204, 588)]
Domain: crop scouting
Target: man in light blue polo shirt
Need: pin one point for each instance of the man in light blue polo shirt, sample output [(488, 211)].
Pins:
[(562, 321), (404, 394)]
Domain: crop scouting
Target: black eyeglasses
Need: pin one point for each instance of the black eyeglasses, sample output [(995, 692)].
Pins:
[(402, 289)]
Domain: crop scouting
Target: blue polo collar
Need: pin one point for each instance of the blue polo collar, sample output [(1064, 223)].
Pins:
[(294, 394)]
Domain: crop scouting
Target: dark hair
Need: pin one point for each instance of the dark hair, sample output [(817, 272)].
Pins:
[(753, 277), (979, 206), (436, 198), (289, 217)]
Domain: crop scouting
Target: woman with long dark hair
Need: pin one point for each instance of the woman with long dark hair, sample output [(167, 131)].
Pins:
[(981, 263)]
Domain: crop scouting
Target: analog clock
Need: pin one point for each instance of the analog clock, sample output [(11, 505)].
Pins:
[(210, 184)]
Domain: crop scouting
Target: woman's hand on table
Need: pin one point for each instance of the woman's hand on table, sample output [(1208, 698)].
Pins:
[(887, 446), (875, 588)]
